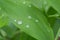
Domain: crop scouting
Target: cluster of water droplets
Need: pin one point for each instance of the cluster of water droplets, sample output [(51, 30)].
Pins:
[(20, 22)]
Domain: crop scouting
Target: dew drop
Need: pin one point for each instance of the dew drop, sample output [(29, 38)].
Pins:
[(20, 22), (24, 2), (27, 26), (29, 17), (15, 20), (36, 20), (29, 5)]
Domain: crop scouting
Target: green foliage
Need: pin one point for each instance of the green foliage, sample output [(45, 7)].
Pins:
[(29, 20)]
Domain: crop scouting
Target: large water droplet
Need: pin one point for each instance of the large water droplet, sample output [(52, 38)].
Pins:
[(19, 22)]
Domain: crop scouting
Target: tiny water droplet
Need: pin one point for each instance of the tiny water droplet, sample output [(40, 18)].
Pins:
[(36, 20), (29, 5), (24, 2), (27, 26), (20, 22), (15, 20), (29, 17)]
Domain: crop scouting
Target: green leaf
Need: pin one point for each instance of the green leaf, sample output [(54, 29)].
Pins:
[(3, 18), (10, 30), (24, 36), (37, 3), (3, 21), (3, 33), (51, 16), (41, 4), (28, 18), (53, 20), (55, 4), (58, 34), (56, 26), (1, 38)]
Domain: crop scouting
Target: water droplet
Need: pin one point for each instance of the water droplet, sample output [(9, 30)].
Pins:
[(29, 17), (29, 5), (36, 20), (20, 22), (15, 20), (24, 2), (27, 26)]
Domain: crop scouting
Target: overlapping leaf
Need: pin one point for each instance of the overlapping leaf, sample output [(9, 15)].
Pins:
[(41, 4), (10, 30), (22, 36), (55, 4)]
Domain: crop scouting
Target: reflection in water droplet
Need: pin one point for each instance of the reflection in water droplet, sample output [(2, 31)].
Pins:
[(27, 26), (29, 17), (20, 22), (36, 20)]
